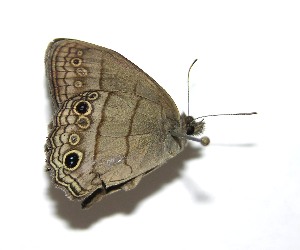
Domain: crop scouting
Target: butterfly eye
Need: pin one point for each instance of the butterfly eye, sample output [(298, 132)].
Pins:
[(190, 130), (83, 108), (72, 159)]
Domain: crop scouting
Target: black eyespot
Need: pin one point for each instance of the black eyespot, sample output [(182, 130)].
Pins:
[(190, 130), (82, 108), (76, 62), (71, 160)]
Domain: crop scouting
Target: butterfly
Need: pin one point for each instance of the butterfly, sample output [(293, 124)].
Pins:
[(112, 123)]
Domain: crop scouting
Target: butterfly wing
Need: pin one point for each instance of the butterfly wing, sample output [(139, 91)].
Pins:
[(112, 121), (73, 67)]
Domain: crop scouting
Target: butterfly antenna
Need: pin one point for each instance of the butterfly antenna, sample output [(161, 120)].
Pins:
[(251, 113), (189, 85)]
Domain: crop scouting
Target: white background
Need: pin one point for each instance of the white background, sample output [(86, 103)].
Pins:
[(242, 192)]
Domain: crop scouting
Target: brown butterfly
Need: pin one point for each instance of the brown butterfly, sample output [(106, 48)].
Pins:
[(112, 122)]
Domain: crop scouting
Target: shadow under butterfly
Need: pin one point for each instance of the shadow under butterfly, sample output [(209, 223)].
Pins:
[(112, 123)]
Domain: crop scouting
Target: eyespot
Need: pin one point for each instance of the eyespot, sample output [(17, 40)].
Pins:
[(83, 108), (83, 122), (72, 159), (81, 71), (74, 139), (79, 53), (93, 96), (78, 84), (76, 62)]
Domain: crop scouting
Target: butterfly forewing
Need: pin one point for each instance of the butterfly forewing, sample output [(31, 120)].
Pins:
[(74, 67)]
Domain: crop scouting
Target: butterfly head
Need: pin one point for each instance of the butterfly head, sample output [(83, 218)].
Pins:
[(190, 128), (193, 127)]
